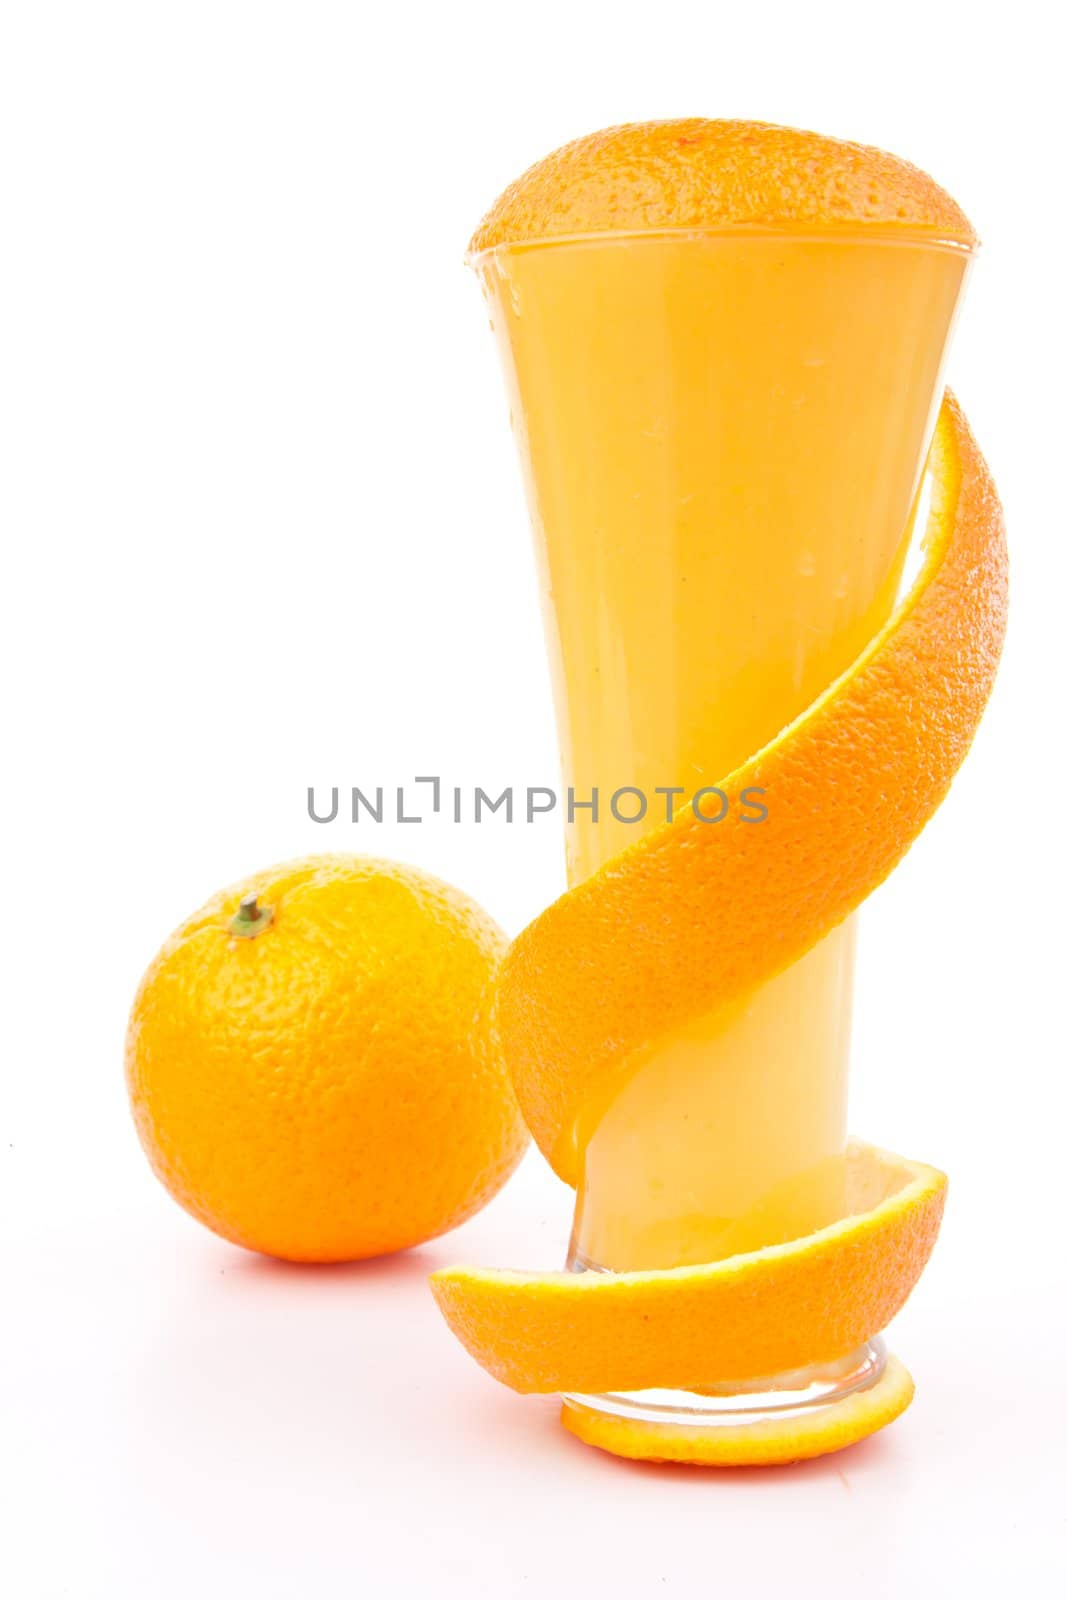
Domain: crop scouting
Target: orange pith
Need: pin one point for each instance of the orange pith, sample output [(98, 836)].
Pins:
[(791, 1305), (698, 173)]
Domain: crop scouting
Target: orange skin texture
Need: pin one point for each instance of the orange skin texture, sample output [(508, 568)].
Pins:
[(771, 1443), (696, 173), (692, 915), (327, 1090), (814, 1299)]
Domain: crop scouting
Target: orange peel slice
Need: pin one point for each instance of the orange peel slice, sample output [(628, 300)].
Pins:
[(642, 946), (770, 1442), (811, 1300)]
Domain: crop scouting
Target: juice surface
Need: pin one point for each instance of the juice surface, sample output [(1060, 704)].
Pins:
[(723, 437)]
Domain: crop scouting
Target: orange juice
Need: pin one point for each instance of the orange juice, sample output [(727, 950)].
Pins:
[(723, 434)]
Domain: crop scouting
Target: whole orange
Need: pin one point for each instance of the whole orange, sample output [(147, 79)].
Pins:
[(310, 1064)]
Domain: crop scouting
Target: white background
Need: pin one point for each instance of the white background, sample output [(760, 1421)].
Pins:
[(263, 528)]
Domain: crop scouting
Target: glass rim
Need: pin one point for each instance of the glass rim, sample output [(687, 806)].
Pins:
[(847, 232)]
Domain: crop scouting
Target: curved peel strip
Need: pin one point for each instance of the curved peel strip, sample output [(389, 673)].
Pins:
[(776, 1441), (814, 1299), (644, 946)]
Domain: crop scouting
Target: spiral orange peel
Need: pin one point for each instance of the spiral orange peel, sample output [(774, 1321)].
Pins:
[(642, 946), (855, 778)]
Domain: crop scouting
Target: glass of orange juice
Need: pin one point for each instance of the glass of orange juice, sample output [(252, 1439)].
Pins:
[(723, 432)]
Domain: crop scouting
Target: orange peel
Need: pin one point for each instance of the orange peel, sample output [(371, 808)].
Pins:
[(811, 1300), (637, 946), (772, 1442), (642, 946)]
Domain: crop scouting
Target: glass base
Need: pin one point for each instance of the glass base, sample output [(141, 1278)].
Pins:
[(804, 1393)]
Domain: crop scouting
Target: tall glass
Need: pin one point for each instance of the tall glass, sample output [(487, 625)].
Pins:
[(723, 435)]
